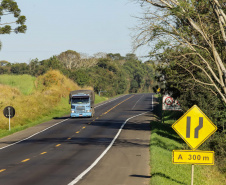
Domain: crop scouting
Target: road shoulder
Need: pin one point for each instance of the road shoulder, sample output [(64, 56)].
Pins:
[(127, 162)]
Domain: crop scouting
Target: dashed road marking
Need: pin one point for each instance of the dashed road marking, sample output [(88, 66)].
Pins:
[(25, 160), (2, 170)]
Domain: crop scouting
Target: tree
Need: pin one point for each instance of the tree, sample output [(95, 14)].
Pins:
[(103, 63), (88, 61), (3, 63), (115, 56), (8, 7), (192, 36), (70, 59), (20, 68), (100, 55), (81, 77), (52, 63), (131, 56)]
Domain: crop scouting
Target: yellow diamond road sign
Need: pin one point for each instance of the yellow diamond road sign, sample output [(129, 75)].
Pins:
[(194, 127)]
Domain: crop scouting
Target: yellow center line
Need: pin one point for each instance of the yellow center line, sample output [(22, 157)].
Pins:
[(58, 145), (116, 106), (2, 170), (43, 153), (25, 160), (68, 138), (102, 115)]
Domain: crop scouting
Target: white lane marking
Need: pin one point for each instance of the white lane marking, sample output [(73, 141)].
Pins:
[(33, 134), (51, 127), (78, 178), (137, 102)]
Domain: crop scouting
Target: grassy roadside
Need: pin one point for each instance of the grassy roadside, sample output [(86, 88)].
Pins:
[(163, 141), (99, 99), (62, 109)]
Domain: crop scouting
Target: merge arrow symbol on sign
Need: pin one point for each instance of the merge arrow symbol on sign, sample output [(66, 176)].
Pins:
[(194, 127)]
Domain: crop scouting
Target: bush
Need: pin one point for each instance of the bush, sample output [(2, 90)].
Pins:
[(218, 145)]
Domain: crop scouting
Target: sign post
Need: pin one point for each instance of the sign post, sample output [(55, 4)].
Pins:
[(192, 174), (9, 112), (9, 119), (194, 127)]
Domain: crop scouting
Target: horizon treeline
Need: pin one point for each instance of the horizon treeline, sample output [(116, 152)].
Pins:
[(111, 74)]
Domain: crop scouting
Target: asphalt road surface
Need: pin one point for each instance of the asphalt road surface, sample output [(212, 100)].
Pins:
[(68, 151)]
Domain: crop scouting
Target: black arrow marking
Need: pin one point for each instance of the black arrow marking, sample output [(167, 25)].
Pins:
[(199, 127), (188, 130)]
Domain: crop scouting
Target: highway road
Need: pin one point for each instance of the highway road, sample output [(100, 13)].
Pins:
[(60, 155)]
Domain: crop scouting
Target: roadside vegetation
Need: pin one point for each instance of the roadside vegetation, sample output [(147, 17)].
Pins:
[(108, 73), (188, 49), (24, 83), (163, 141), (47, 98)]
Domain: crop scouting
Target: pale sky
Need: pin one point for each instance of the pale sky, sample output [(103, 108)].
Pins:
[(85, 26)]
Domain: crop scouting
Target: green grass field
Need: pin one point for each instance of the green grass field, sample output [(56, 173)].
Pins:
[(25, 83), (163, 141)]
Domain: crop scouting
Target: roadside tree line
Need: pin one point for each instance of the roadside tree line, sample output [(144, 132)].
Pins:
[(188, 39), (111, 73)]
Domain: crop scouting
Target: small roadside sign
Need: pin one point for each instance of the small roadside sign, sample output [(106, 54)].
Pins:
[(169, 103), (193, 157), (194, 127), (9, 112)]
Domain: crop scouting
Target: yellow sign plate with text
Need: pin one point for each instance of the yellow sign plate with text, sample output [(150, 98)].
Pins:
[(193, 157), (194, 127)]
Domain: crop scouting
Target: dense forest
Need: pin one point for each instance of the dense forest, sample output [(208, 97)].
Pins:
[(109, 74)]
